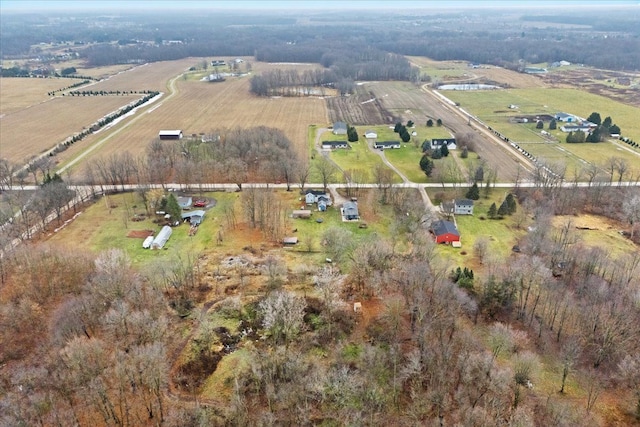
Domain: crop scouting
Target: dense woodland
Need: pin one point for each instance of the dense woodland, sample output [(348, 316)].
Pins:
[(503, 38)]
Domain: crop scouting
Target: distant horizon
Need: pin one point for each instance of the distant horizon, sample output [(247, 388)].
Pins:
[(288, 5)]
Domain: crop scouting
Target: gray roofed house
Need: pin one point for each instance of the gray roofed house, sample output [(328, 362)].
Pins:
[(439, 142), (463, 207), (350, 211), (339, 128), (184, 202)]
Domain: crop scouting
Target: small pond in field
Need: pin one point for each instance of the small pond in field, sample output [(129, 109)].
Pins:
[(470, 86)]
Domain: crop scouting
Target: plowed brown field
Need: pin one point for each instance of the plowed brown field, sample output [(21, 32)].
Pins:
[(36, 129), (196, 107)]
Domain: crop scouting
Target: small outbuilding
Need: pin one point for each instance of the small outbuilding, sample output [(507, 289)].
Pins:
[(162, 237), (350, 211), (170, 134), (147, 242), (332, 145), (383, 145), (195, 217), (370, 134), (301, 213), (339, 128), (445, 232), (290, 241)]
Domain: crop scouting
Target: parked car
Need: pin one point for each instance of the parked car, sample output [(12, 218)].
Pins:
[(200, 203)]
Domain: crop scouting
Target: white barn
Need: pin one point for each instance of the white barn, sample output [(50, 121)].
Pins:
[(170, 134)]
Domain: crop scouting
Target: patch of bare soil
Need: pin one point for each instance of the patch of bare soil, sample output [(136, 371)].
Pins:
[(140, 234), (362, 108)]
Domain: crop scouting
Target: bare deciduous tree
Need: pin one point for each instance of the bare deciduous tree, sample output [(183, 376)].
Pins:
[(282, 313)]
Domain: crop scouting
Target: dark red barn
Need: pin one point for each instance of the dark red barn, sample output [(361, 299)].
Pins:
[(445, 232)]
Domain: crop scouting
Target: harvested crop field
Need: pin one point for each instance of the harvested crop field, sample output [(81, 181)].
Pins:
[(18, 93), (152, 76), (198, 107), (34, 130), (362, 108), (617, 85)]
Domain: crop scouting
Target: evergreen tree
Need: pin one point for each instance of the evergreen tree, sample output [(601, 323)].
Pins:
[(429, 123), (503, 210), (511, 204), (173, 208), (439, 122), (404, 135), (436, 154), (352, 134), (426, 165), (595, 118), (607, 122), (410, 124), (473, 193), (493, 211), (398, 127), (614, 129), (444, 150), (553, 125), (478, 175), (465, 153), (539, 125)]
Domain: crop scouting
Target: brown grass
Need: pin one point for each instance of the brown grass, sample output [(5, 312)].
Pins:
[(19, 93), (33, 130)]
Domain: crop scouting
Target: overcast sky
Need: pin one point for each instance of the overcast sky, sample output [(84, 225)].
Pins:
[(124, 5)]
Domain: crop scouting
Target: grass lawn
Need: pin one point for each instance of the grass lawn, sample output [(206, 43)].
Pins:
[(407, 160), (501, 234), (360, 157), (104, 228)]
